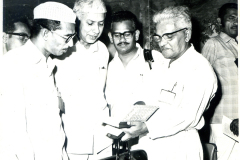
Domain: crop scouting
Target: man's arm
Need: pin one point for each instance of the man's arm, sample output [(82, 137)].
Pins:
[(13, 135), (169, 120), (209, 51)]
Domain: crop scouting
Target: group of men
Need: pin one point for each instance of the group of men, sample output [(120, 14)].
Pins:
[(56, 89)]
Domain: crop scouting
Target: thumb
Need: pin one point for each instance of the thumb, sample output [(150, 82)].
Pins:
[(126, 137)]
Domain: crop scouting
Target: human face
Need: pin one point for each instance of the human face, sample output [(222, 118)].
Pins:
[(230, 23), (91, 26), (58, 43), (124, 44), (175, 46), (15, 41)]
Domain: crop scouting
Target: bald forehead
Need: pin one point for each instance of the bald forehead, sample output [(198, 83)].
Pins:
[(170, 25), (92, 16)]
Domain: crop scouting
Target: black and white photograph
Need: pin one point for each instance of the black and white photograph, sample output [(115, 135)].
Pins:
[(119, 80)]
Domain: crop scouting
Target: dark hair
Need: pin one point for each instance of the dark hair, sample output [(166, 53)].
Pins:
[(123, 16), (38, 24), (223, 10), (10, 18)]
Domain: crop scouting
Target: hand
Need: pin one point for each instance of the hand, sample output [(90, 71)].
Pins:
[(137, 128), (234, 127)]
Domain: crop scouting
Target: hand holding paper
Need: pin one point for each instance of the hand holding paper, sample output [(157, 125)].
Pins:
[(136, 129), (234, 127), (227, 126)]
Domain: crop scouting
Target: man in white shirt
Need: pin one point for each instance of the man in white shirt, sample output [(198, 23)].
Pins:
[(30, 125), (80, 78), (16, 30), (182, 86), (128, 72)]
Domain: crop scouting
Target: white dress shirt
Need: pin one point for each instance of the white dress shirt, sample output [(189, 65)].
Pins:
[(127, 85)]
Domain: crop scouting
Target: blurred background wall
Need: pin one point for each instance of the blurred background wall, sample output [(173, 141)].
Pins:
[(204, 14)]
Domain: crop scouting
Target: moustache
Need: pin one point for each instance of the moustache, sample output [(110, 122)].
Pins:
[(234, 27), (122, 43)]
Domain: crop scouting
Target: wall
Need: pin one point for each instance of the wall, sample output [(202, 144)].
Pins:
[(204, 14)]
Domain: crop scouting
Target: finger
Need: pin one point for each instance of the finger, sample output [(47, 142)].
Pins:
[(126, 137), (126, 130)]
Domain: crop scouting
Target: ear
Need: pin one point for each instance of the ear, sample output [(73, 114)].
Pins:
[(110, 37), (188, 35), (45, 33), (137, 34), (219, 21), (5, 37)]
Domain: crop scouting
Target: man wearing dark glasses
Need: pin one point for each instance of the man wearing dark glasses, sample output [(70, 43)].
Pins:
[(16, 31), (31, 127)]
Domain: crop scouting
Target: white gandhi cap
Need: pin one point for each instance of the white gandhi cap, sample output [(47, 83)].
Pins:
[(54, 11)]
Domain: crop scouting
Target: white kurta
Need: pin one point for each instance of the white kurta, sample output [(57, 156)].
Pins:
[(30, 125), (80, 78), (183, 90)]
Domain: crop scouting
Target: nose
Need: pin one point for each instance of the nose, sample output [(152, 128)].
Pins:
[(162, 43), (70, 43), (236, 21), (25, 39), (122, 38), (96, 29)]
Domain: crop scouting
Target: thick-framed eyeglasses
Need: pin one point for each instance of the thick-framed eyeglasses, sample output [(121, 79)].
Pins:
[(67, 39), (167, 36), (126, 35), (22, 36)]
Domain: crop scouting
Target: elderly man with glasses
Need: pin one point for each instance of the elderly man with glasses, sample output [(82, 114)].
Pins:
[(30, 124), (80, 77), (182, 86), (16, 30)]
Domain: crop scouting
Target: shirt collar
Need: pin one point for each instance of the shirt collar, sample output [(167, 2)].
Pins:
[(135, 56), (225, 37), (184, 57), (93, 47), (37, 57)]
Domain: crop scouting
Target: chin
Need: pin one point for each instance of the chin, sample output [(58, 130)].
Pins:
[(91, 41)]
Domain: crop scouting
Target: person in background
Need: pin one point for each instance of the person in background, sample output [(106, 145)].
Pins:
[(80, 77), (182, 86), (128, 72), (222, 52), (30, 124), (16, 31)]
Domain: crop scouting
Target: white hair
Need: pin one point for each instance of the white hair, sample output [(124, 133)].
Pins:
[(89, 6), (180, 15)]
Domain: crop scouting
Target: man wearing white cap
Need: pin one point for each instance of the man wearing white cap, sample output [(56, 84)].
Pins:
[(81, 76), (30, 124)]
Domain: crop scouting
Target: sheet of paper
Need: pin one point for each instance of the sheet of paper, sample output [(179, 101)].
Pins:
[(226, 128)]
